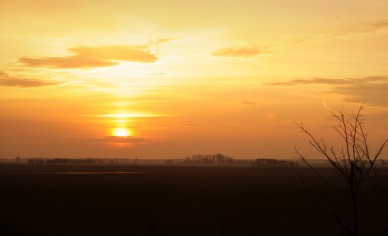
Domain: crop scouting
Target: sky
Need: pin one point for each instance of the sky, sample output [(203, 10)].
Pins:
[(169, 78)]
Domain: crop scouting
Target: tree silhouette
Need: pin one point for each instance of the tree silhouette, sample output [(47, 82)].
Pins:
[(355, 164)]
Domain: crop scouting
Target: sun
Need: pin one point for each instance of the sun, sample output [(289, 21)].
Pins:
[(121, 132)]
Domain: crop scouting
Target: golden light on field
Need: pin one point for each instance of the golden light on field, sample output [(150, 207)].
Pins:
[(121, 132)]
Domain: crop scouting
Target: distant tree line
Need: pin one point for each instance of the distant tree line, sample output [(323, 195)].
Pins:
[(266, 162), (224, 159), (209, 158), (78, 161), (40, 161)]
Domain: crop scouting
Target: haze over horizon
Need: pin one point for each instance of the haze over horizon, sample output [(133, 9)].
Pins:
[(168, 78)]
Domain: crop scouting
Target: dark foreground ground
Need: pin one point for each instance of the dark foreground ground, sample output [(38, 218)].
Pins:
[(99, 200)]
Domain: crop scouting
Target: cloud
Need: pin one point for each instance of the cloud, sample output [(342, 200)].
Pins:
[(240, 51), (160, 41), (367, 27), (128, 140), (372, 90), (311, 81), (10, 81), (346, 81), (89, 57), (347, 31), (248, 103)]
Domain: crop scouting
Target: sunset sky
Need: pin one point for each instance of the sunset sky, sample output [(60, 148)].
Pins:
[(169, 78)]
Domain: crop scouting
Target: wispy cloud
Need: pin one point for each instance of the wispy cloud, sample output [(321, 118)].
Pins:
[(346, 31), (12, 81), (368, 89), (248, 103), (240, 51), (366, 27), (128, 140), (160, 41), (89, 57), (346, 81), (311, 81), (371, 90)]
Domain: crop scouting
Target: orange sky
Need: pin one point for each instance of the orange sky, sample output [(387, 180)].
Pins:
[(177, 78)]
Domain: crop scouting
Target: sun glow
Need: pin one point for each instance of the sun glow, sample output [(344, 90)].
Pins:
[(128, 115), (121, 132)]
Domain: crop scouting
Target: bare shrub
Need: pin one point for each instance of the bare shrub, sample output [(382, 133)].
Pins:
[(354, 163)]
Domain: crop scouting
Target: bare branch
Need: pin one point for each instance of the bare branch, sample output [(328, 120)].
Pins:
[(355, 164)]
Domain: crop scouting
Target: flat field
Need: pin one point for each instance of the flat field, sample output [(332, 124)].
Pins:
[(152, 200)]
